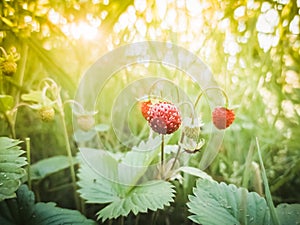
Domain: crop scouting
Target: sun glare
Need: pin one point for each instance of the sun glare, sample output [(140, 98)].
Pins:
[(81, 30)]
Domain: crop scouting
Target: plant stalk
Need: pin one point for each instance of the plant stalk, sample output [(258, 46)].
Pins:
[(19, 80), (273, 213), (27, 141), (212, 88), (178, 151), (162, 156), (70, 158), (11, 123)]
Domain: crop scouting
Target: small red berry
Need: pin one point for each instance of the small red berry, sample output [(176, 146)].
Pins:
[(145, 106), (164, 118), (222, 117)]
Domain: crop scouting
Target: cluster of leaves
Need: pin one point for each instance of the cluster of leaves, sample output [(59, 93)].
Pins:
[(215, 203), (102, 181), (24, 210), (11, 171), (122, 184), (17, 202)]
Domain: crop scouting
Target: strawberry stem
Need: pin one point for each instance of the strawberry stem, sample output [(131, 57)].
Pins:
[(191, 107), (162, 156), (178, 151), (77, 104), (153, 86), (212, 88), (27, 141), (4, 52)]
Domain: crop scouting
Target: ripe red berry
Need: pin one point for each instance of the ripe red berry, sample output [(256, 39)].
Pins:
[(222, 117), (145, 106), (164, 118)]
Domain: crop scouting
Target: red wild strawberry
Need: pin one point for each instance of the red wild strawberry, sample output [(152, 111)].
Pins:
[(222, 117), (164, 118), (145, 106)]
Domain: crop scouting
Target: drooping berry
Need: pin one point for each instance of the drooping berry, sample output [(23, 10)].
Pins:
[(85, 122), (164, 118), (192, 132), (145, 106), (8, 67), (46, 113), (222, 117)]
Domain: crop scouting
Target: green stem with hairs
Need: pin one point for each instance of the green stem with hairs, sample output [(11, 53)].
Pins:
[(70, 158), (27, 142), (162, 156), (178, 151), (19, 80), (11, 123), (212, 88), (60, 105)]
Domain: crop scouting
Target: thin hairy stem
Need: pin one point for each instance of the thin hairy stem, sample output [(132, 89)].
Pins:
[(27, 142)]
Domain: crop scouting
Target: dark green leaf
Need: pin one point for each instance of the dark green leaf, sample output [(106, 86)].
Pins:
[(22, 210), (46, 167), (103, 180), (217, 203), (288, 214), (151, 195), (10, 167)]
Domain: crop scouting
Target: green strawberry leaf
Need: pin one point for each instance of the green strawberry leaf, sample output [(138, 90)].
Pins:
[(288, 214), (46, 167), (103, 179), (217, 203), (96, 186), (22, 210), (151, 195), (36, 97), (137, 161), (82, 136), (195, 172), (101, 162), (11, 164)]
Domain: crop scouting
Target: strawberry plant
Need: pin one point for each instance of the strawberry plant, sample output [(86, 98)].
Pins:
[(162, 128)]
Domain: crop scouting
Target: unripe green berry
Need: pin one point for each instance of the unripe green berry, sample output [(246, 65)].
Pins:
[(46, 113), (85, 122), (8, 67)]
